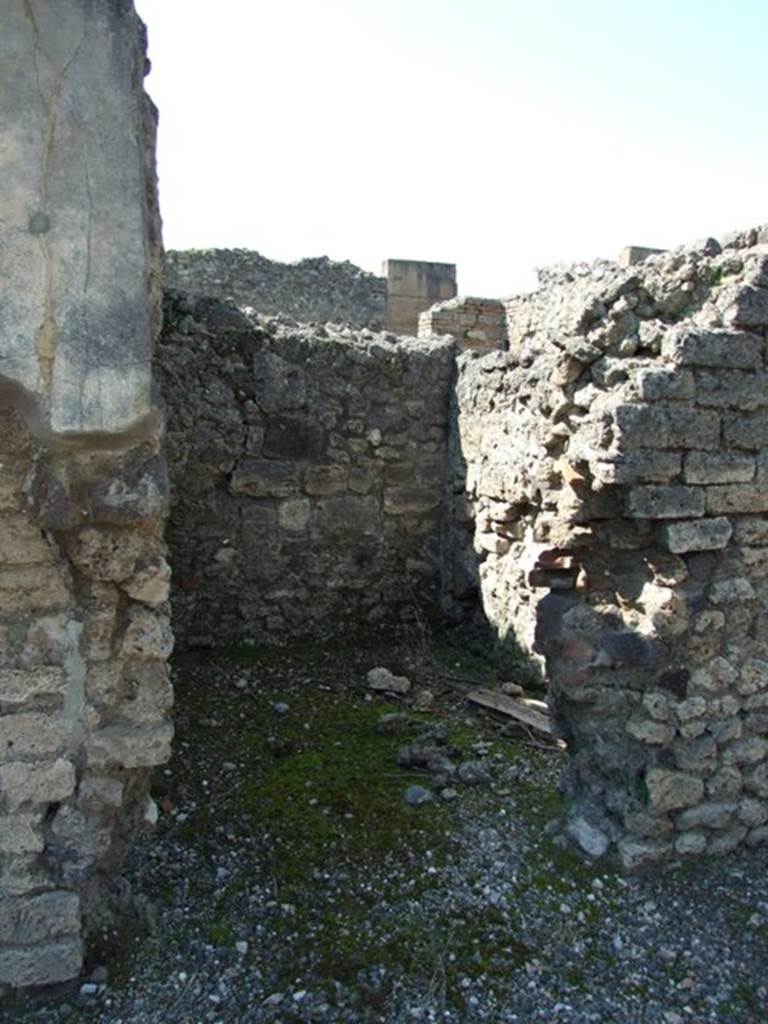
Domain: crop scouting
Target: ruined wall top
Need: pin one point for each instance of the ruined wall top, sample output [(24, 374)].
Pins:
[(316, 289)]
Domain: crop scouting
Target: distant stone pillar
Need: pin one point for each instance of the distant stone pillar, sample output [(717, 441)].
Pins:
[(84, 615), (412, 287)]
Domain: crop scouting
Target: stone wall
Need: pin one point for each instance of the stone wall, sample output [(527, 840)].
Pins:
[(610, 511), (306, 469), (84, 618), (476, 324), (316, 290)]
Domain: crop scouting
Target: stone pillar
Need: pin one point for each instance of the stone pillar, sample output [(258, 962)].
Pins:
[(414, 286), (84, 619)]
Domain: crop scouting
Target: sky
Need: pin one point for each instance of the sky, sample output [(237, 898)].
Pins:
[(500, 135)]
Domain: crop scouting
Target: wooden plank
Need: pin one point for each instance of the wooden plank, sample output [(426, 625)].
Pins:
[(513, 708)]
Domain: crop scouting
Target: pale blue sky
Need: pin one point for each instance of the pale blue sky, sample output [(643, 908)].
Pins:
[(497, 135)]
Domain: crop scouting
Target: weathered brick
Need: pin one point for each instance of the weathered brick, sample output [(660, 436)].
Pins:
[(707, 815)]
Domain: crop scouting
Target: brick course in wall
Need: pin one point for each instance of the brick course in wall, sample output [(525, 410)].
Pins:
[(476, 324)]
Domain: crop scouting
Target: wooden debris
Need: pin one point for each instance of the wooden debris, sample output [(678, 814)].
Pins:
[(517, 709)]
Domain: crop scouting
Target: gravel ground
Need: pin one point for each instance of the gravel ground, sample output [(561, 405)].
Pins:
[(289, 880)]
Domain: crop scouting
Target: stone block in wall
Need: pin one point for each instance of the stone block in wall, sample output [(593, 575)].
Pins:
[(260, 478), (40, 918), (734, 499), (687, 346), (732, 389), (749, 431), (291, 437), (22, 542), (21, 833), (751, 530), (653, 426), (126, 747), (19, 687), (353, 514), (700, 535), (665, 502), (106, 554), (748, 308), (28, 966), (41, 783), (671, 790), (30, 734), (660, 385), (27, 590), (131, 490), (327, 480), (718, 468), (638, 467), (294, 514)]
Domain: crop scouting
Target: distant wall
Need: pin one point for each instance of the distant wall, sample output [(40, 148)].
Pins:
[(315, 290), (306, 471), (311, 290), (476, 324), (412, 287)]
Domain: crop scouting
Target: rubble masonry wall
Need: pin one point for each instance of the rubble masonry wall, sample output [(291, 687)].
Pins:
[(610, 511), (306, 467)]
